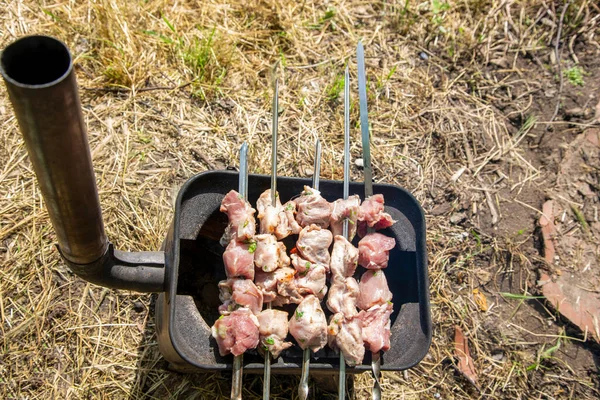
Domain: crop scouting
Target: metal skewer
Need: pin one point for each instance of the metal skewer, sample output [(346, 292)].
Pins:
[(346, 145), (364, 128), (267, 371), (238, 361), (317, 165), (274, 129), (303, 386), (342, 382)]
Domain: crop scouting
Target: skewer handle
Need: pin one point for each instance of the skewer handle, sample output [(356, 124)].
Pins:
[(375, 369), (303, 386), (236, 383), (342, 382), (267, 376)]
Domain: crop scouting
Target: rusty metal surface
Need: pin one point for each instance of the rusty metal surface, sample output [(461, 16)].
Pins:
[(41, 85)]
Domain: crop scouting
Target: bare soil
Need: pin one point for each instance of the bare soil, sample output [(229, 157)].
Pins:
[(569, 164)]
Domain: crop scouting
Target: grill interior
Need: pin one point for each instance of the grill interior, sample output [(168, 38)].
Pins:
[(198, 267)]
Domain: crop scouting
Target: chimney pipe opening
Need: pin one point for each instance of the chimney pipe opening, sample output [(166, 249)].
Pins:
[(35, 61)]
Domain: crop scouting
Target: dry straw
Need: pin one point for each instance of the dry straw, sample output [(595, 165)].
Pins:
[(171, 89)]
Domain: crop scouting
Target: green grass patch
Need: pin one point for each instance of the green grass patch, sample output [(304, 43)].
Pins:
[(513, 296), (575, 75), (326, 20), (581, 219), (336, 88), (203, 55)]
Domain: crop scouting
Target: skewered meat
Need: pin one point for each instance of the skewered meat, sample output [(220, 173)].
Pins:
[(300, 264), (347, 336), (313, 244), (343, 296), (286, 287), (282, 286), (287, 221), (266, 282), (308, 324), (279, 220), (242, 225), (307, 278), (371, 214), (374, 250), (376, 326), (345, 331), (344, 210), (237, 332), (239, 259), (267, 214), (312, 281), (273, 331), (312, 208), (344, 257), (373, 289), (333, 329), (239, 292), (270, 254)]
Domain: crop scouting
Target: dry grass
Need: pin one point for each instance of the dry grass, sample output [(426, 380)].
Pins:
[(171, 90)]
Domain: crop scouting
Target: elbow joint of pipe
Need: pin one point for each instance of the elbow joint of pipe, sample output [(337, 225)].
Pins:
[(142, 271)]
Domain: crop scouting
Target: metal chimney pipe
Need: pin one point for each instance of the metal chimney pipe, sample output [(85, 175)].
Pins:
[(38, 73)]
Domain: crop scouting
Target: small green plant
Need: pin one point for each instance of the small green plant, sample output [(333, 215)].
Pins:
[(526, 127), (406, 9), (116, 75), (200, 56), (513, 296), (335, 89), (329, 14), (282, 58), (405, 17), (477, 237), (143, 137), (385, 79), (52, 15), (437, 8), (581, 219), (301, 104), (199, 53), (326, 19), (521, 298), (544, 355), (574, 75)]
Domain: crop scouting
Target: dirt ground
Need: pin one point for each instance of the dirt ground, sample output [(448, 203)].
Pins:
[(483, 110)]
